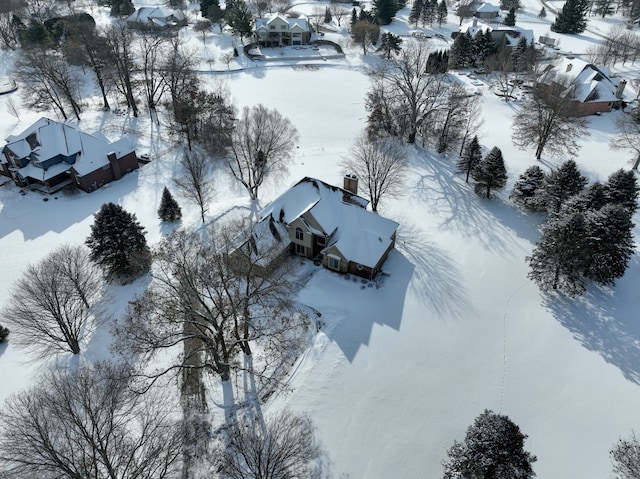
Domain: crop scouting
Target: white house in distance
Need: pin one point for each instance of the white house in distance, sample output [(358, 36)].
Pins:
[(279, 31), (595, 91), (331, 225)]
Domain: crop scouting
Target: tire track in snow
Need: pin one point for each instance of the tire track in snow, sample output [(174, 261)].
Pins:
[(504, 345)]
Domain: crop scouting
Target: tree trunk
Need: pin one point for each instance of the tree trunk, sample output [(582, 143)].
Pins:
[(637, 163)]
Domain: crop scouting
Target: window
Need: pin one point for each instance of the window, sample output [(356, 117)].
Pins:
[(300, 249), (272, 27), (283, 27), (299, 234), (334, 262), (321, 240)]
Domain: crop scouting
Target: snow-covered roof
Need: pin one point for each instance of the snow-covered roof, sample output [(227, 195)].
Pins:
[(47, 139), (300, 23), (591, 83), (157, 15), (511, 34), (488, 7), (360, 235)]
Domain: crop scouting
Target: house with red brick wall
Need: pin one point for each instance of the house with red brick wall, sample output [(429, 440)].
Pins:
[(50, 155)]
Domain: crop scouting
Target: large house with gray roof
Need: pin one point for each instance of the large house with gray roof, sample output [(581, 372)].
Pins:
[(50, 155), (329, 224)]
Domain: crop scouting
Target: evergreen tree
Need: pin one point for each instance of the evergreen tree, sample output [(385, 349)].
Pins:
[(429, 12), (354, 17), (572, 18), (327, 15), (438, 62), (4, 332), (485, 45), (526, 190), (543, 13), (559, 257), (461, 53), (416, 12), (622, 189), (561, 184), (609, 243), (240, 18), (442, 12), (204, 6), (470, 159), (519, 60), (390, 44), (117, 244), (490, 173), (510, 19), (384, 11), (169, 209), (493, 448), (509, 4), (592, 198)]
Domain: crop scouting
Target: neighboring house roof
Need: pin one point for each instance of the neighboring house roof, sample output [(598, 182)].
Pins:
[(591, 83), (47, 139), (361, 236), (298, 24), (488, 8), (512, 34), (159, 16)]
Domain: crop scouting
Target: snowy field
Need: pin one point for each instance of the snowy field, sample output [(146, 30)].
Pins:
[(396, 373)]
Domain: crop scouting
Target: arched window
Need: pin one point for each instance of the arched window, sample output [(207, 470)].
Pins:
[(299, 234)]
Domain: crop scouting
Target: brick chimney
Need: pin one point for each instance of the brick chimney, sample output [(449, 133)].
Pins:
[(620, 88), (115, 165), (351, 184)]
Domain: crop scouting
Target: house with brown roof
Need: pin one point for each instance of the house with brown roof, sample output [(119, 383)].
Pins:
[(331, 225), (50, 155), (279, 30), (593, 90)]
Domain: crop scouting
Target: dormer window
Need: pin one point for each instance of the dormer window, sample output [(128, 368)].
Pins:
[(299, 234)]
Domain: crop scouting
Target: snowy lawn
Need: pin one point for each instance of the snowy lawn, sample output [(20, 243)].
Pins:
[(395, 374)]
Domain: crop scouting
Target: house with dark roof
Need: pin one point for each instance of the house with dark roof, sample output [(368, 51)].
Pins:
[(593, 90), (279, 30), (331, 225), (50, 155)]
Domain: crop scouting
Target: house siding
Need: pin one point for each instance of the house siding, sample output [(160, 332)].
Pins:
[(100, 177)]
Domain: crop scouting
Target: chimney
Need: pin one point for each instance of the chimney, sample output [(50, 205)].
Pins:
[(351, 183), (569, 67), (620, 89), (475, 22), (115, 166)]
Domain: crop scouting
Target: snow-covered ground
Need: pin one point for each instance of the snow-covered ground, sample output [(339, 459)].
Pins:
[(396, 373)]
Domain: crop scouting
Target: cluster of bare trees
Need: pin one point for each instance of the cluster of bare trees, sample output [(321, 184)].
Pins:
[(619, 46), (406, 101)]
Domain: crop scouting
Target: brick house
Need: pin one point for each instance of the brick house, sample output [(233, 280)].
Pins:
[(331, 225), (50, 155)]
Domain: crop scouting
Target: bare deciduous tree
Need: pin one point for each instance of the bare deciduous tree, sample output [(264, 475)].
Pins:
[(47, 79), (10, 12), (628, 137), (50, 304), (545, 121), (284, 448), (625, 456), (195, 180), (153, 49), (262, 146), (120, 43), (338, 11), (89, 424), (380, 165), (365, 33)]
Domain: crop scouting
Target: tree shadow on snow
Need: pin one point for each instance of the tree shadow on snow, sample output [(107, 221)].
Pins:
[(435, 278), (442, 191), (605, 320), (351, 305)]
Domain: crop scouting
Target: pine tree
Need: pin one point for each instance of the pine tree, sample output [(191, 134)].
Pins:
[(390, 44), (510, 19), (592, 198), (117, 244), (509, 4), (490, 173), (416, 12), (485, 45), (239, 18), (609, 243), (354, 17), (559, 257), (4, 332), (442, 13), (327, 15), (461, 53), (526, 190), (493, 447), (429, 12), (470, 158), (543, 13), (561, 184), (572, 18), (622, 189), (384, 11), (169, 209)]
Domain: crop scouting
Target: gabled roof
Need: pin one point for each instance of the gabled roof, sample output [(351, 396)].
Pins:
[(47, 139), (360, 235), (298, 24), (591, 83), (488, 8), (158, 15)]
